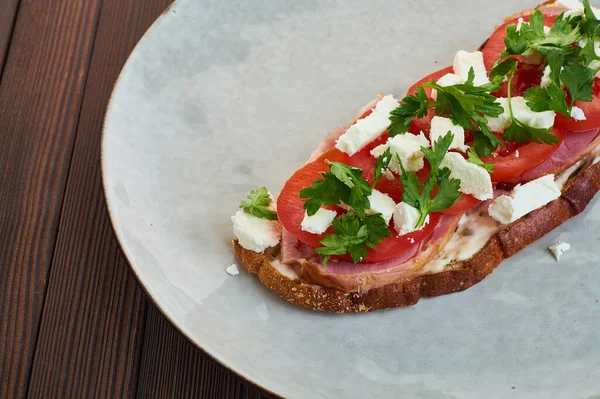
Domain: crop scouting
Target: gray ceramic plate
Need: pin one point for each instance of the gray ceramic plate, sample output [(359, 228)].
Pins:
[(223, 96)]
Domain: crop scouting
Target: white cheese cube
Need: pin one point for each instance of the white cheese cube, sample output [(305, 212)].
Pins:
[(474, 179), (464, 61), (448, 79), (595, 65), (367, 129), (406, 218), (501, 122), (386, 105), (408, 147), (254, 233), (319, 222), (546, 77), (381, 203), (232, 270), (524, 199), (577, 114), (558, 249), (440, 127), (540, 120)]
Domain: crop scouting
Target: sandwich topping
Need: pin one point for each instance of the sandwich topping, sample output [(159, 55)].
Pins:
[(466, 136)]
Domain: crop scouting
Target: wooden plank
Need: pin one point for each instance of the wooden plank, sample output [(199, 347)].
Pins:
[(8, 12), (40, 97), (172, 367), (91, 330)]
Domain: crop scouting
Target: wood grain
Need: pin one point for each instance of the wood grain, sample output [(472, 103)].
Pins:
[(91, 331), (40, 97), (172, 367), (8, 12)]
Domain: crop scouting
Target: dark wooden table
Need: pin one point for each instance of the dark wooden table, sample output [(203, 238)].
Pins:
[(73, 320)]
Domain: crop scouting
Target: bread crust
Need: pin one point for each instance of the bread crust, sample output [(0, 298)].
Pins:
[(578, 192)]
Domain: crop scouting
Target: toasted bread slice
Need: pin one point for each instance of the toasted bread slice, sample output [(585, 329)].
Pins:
[(455, 277)]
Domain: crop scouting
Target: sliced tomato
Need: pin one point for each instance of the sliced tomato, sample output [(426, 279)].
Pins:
[(526, 75), (389, 248), (514, 160), (290, 207), (465, 203), (495, 45), (591, 111)]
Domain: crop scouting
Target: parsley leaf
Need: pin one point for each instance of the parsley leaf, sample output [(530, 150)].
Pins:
[(522, 133), (383, 161), (499, 72), (578, 80), (353, 236), (467, 104), (342, 183), (421, 197), (551, 98), (474, 159), (592, 24), (482, 144), (531, 36), (349, 237), (413, 106), (258, 204)]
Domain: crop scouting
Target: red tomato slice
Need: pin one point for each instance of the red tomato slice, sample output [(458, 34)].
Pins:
[(495, 44), (590, 109), (515, 160), (526, 75), (389, 248), (290, 207), (465, 203)]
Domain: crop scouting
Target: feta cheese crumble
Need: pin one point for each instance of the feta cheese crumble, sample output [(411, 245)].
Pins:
[(406, 218), (319, 222), (524, 199), (440, 127), (464, 61), (367, 129), (558, 249), (232, 270), (539, 120), (254, 233), (408, 147), (577, 114), (474, 179), (381, 203), (448, 79)]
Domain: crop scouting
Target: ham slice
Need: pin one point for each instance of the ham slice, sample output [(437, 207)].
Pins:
[(575, 146), (360, 277)]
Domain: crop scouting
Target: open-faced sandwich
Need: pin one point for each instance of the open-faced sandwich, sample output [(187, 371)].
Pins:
[(426, 195)]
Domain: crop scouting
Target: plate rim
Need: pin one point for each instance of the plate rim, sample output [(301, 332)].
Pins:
[(112, 219)]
